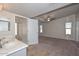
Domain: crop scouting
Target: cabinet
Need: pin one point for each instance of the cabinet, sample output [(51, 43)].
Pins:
[(22, 52)]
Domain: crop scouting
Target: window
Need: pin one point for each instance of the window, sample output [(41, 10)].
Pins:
[(41, 28), (15, 28), (68, 27)]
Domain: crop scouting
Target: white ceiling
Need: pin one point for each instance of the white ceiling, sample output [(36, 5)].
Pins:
[(33, 9)]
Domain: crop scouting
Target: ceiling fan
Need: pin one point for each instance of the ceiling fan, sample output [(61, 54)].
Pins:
[(49, 18)]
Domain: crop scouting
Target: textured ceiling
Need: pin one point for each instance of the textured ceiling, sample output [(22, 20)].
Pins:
[(33, 9)]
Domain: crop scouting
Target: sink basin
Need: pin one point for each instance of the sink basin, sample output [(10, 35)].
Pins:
[(7, 46), (10, 44), (11, 47)]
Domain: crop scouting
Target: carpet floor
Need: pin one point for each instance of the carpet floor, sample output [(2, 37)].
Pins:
[(54, 47)]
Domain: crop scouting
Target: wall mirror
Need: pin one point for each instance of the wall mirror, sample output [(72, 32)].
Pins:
[(4, 25)]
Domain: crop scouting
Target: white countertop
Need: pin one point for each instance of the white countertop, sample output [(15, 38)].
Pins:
[(12, 47)]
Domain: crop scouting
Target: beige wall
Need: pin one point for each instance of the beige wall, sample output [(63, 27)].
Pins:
[(56, 28)]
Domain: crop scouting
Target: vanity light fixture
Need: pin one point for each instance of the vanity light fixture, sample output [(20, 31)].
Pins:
[(3, 6)]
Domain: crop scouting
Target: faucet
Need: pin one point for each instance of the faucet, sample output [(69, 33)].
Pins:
[(0, 42)]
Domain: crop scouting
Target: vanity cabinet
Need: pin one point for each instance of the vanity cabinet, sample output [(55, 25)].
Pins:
[(22, 52)]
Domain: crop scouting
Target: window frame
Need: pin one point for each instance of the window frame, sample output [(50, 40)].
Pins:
[(69, 24), (41, 28)]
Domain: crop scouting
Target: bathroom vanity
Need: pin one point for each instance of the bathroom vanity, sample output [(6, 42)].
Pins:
[(15, 48)]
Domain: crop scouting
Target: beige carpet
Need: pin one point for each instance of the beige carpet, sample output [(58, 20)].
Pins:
[(53, 47)]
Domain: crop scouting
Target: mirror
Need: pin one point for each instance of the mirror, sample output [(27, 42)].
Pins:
[(4, 25)]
